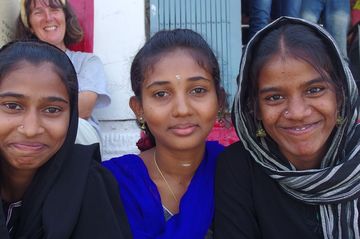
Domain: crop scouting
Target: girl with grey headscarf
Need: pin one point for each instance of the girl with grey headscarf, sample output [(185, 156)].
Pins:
[(295, 172)]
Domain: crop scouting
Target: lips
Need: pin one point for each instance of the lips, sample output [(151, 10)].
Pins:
[(183, 129), (301, 129), (28, 146)]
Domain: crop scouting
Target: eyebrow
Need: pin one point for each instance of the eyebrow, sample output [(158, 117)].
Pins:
[(164, 82), (310, 82), (21, 96)]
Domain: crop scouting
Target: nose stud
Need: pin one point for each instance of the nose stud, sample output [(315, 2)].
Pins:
[(286, 113), (21, 126)]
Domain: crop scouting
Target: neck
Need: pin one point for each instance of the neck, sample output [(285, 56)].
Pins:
[(14, 183), (180, 164), (61, 46)]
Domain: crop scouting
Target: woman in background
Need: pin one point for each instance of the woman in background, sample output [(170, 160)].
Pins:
[(167, 190), (53, 21), (296, 171)]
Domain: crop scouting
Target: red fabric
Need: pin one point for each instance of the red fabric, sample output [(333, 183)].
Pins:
[(355, 17), (84, 10), (223, 132), (355, 12)]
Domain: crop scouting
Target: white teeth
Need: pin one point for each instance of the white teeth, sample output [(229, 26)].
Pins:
[(300, 129), (50, 28)]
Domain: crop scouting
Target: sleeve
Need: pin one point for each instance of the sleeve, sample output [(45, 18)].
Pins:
[(234, 208), (91, 77), (107, 217)]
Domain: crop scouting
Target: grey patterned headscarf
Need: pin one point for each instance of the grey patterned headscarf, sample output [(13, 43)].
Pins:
[(335, 186)]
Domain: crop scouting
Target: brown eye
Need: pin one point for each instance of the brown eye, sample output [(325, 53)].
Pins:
[(13, 106), (161, 94), (52, 110), (315, 90), (274, 97), (198, 90)]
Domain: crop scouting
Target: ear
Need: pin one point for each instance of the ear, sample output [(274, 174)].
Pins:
[(136, 106)]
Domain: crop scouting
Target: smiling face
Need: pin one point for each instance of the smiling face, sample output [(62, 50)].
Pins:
[(298, 109), (48, 24), (179, 101), (34, 116)]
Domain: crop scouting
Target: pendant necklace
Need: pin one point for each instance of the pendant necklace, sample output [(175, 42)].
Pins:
[(163, 177)]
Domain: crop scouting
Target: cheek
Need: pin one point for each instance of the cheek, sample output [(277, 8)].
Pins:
[(155, 116), (58, 129), (268, 117)]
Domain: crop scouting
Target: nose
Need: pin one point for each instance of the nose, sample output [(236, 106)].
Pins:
[(297, 109), (31, 125), (49, 15), (181, 106)]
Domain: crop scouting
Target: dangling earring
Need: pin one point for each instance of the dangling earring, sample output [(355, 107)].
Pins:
[(339, 120), (142, 123), (260, 132), (220, 116)]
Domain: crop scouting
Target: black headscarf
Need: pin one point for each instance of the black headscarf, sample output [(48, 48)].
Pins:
[(72, 195), (335, 186)]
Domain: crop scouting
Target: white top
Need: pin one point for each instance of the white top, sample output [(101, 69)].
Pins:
[(91, 77)]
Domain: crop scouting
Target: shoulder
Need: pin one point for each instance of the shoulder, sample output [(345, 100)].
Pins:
[(235, 152), (125, 161), (126, 166), (214, 147), (235, 159), (78, 57)]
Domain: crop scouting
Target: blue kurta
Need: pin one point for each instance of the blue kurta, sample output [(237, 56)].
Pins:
[(143, 205)]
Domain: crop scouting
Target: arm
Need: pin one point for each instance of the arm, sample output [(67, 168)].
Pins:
[(87, 100), (92, 83), (234, 209)]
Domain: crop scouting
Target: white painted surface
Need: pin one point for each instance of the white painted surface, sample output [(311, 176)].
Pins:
[(9, 10), (119, 31)]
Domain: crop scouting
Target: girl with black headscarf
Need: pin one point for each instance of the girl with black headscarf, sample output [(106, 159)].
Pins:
[(50, 187), (296, 171)]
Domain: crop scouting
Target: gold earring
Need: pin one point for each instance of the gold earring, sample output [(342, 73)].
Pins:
[(260, 132), (142, 123), (340, 120)]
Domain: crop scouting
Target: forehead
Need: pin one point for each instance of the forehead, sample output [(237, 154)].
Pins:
[(45, 3), (180, 63), (283, 70), (39, 78), (176, 59)]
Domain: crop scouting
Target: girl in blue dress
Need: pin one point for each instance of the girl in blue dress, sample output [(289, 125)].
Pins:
[(167, 190)]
